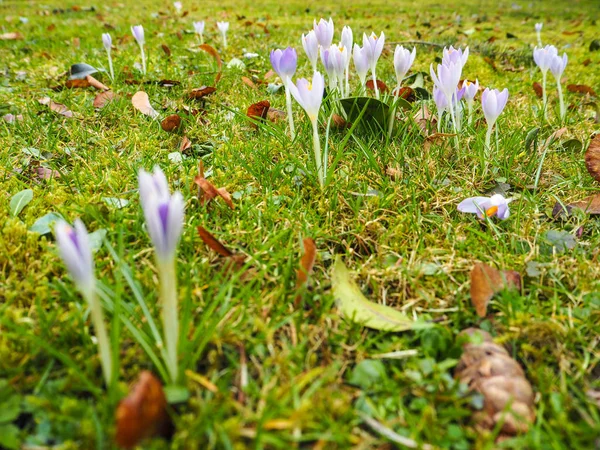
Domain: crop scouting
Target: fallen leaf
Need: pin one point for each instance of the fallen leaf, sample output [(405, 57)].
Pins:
[(307, 263), (97, 84), (171, 123), (77, 83), (13, 36), (407, 93), (46, 174), (380, 85), (590, 205), (208, 190), (141, 102), (166, 49), (587, 62), (339, 123), (81, 70), (258, 111), (487, 281), (537, 88), (103, 98), (143, 413), (491, 62), (425, 120), (212, 52), (592, 158), (11, 118), (186, 144), (248, 82), (168, 83), (355, 307), (581, 89), (276, 115), (201, 92), (56, 107), (436, 139), (214, 244)]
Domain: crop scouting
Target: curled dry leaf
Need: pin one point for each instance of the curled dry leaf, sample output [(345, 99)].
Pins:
[(143, 413), (215, 54), (141, 102), (248, 82), (425, 120), (537, 88), (171, 123), (436, 139), (186, 144), (97, 84), (168, 83), (56, 107), (207, 191), (380, 85), (487, 368), (44, 173), (487, 281), (103, 98), (166, 49), (592, 158), (258, 111), (339, 123), (276, 115), (201, 92), (581, 89), (76, 83), (13, 36), (235, 260), (307, 263), (11, 118)]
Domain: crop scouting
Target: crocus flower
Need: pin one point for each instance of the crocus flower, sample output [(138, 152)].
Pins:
[(361, 63), (324, 32), (334, 60), (347, 42), (496, 205), (373, 46), (493, 102), (164, 220), (403, 60), (557, 67), (223, 27), (455, 55), (177, 6), (74, 248), (543, 57), (538, 32), (138, 34), (284, 62), (311, 48), (199, 28), (470, 93), (310, 96), (107, 42), (447, 78)]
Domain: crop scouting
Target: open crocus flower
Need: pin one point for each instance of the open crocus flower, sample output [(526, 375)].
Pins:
[(543, 57), (361, 64), (138, 34), (107, 42), (557, 67), (310, 44), (455, 55), (470, 93), (324, 32), (373, 46), (493, 102), (496, 205), (284, 62), (199, 29), (223, 28), (403, 60)]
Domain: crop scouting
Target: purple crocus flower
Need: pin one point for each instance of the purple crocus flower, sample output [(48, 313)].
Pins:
[(493, 102), (107, 41), (373, 46), (163, 213), (470, 93), (178, 6), (223, 28), (199, 29), (538, 26), (447, 78), (309, 95), (284, 63), (496, 205), (138, 34), (557, 67), (347, 38), (334, 60), (74, 248), (403, 60), (324, 32), (361, 63), (311, 48), (543, 57), (455, 55)]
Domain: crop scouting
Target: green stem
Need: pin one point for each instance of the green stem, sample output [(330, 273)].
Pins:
[(110, 66), (375, 84), (101, 334), (563, 111), (317, 150), (544, 96), (488, 141), (470, 109), (288, 101), (143, 59), (168, 295)]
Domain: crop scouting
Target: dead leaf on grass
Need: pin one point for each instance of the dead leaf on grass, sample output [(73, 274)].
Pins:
[(258, 111), (207, 191), (103, 98), (171, 123), (58, 108), (487, 281), (592, 158), (307, 263), (215, 54), (141, 102)]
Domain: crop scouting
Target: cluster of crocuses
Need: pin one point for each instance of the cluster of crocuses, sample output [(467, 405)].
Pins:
[(138, 33), (164, 213), (547, 58)]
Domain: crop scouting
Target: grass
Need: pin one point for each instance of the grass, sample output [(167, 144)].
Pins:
[(285, 375)]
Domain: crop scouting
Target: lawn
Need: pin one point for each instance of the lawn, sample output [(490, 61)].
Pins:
[(266, 361)]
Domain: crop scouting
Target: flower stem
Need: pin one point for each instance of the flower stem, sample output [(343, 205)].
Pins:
[(563, 111), (347, 90), (143, 60), (470, 109), (317, 150), (110, 67), (101, 335), (539, 39), (224, 40), (488, 140), (288, 101), (168, 295), (544, 96), (375, 85)]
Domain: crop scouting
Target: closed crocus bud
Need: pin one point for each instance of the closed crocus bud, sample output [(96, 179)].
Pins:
[(310, 44), (177, 6), (441, 102), (284, 63), (538, 27), (361, 63), (163, 212), (558, 65), (324, 32), (309, 95), (455, 55), (199, 27), (74, 248), (447, 78), (543, 56), (496, 205), (223, 26), (493, 102), (373, 46), (347, 39), (107, 41), (138, 34), (403, 60), (470, 90)]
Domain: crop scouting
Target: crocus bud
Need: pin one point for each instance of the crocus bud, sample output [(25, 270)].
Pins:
[(223, 27), (163, 212), (543, 57), (177, 6), (334, 60), (538, 27), (493, 102), (496, 205), (107, 41), (309, 95), (284, 63), (74, 248), (441, 102), (558, 65), (403, 60), (138, 34), (347, 39), (361, 63), (311, 47), (199, 27), (470, 90), (373, 45), (324, 32)]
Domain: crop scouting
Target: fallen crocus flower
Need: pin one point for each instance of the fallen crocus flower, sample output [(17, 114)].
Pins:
[(496, 205)]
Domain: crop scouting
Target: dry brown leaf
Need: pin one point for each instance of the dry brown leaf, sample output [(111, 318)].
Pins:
[(215, 54), (166, 49), (171, 123), (97, 84), (258, 111), (590, 205), (201, 92), (425, 120), (307, 263), (339, 123), (77, 83), (44, 173), (407, 93), (11, 118), (592, 158), (103, 98), (487, 281), (380, 85), (581, 89), (394, 173), (213, 243), (186, 144), (491, 62), (276, 115), (56, 107), (15, 35), (207, 191), (436, 139), (143, 413), (141, 102), (537, 88), (168, 83), (248, 82)]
